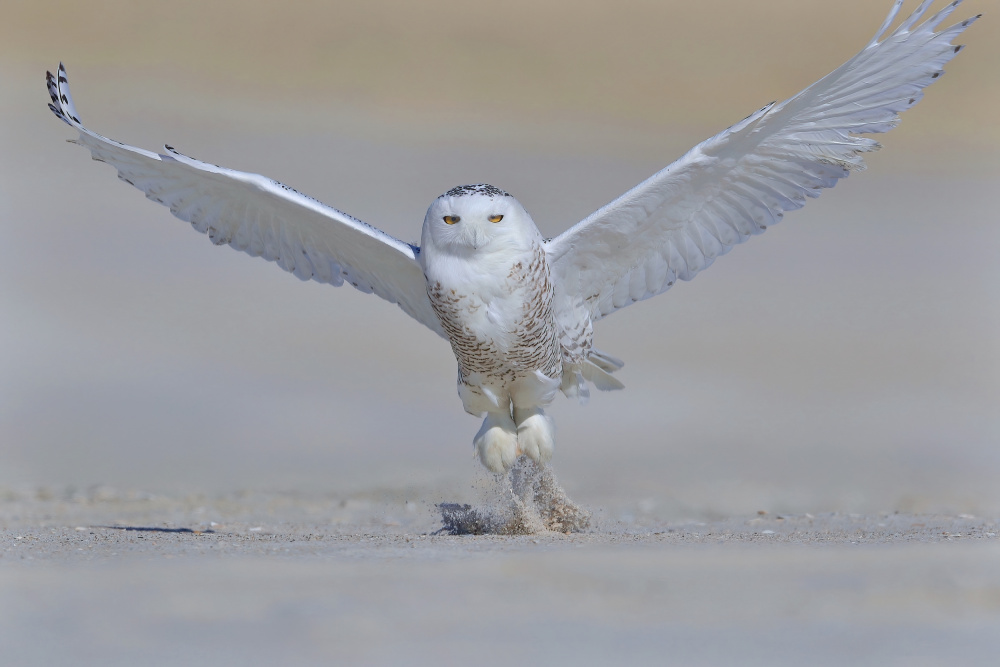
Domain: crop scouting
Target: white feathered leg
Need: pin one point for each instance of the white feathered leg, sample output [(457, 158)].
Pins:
[(535, 434), (496, 442)]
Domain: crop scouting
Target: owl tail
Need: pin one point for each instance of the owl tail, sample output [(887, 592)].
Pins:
[(596, 369)]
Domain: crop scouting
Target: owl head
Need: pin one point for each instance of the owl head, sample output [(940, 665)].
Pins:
[(481, 218)]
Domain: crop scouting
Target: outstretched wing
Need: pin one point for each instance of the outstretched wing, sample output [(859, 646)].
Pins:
[(263, 218), (737, 183)]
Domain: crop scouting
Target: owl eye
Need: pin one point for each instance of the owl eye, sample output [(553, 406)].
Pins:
[(451, 219), (495, 218)]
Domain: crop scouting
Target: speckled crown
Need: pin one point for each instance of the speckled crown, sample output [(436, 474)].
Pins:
[(477, 189)]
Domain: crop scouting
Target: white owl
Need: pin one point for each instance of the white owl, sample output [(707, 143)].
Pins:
[(519, 310)]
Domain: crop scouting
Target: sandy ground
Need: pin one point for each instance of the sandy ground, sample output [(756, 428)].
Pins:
[(107, 578), (205, 461)]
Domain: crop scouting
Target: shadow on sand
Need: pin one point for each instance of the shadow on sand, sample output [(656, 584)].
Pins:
[(152, 529)]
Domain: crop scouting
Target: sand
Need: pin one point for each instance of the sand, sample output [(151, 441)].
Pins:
[(110, 578), (528, 500)]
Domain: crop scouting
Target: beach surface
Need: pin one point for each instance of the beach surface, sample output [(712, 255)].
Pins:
[(111, 579)]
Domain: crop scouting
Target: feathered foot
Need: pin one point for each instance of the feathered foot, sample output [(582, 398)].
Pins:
[(496, 442), (535, 434)]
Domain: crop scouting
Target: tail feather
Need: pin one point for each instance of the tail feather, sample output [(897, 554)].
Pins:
[(605, 361), (599, 377), (595, 369)]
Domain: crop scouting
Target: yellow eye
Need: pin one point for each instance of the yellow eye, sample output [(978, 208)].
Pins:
[(495, 218), (451, 219)]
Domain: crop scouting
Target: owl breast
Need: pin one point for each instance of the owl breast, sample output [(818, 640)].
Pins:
[(503, 332)]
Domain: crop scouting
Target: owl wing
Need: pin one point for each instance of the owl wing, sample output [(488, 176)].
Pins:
[(735, 184), (263, 217)]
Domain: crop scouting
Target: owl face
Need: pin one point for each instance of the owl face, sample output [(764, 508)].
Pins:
[(477, 218)]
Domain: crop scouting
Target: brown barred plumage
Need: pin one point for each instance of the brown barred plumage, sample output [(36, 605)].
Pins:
[(534, 343)]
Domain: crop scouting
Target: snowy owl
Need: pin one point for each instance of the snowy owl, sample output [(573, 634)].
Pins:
[(518, 309)]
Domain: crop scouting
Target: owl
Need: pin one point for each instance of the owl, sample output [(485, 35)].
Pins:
[(518, 309)]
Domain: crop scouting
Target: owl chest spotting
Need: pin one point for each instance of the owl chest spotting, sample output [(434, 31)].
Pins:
[(500, 329)]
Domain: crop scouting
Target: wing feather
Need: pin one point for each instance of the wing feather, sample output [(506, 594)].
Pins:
[(262, 217), (738, 183)]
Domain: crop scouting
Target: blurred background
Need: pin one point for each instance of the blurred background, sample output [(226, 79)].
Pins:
[(846, 360)]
